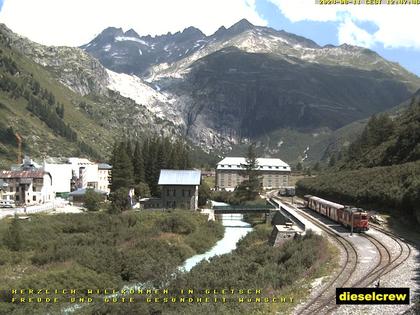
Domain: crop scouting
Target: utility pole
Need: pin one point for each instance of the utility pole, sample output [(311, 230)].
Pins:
[(351, 229)]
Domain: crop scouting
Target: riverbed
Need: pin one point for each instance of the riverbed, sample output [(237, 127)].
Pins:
[(235, 229)]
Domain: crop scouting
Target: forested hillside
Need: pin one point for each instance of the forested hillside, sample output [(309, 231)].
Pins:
[(387, 141), (381, 169)]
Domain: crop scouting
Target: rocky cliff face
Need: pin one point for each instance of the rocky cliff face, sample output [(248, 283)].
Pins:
[(86, 76), (71, 66), (247, 82), (240, 84)]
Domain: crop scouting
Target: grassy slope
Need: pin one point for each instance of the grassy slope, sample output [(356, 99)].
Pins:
[(39, 139)]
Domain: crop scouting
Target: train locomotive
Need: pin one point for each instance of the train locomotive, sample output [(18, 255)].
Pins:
[(345, 215)]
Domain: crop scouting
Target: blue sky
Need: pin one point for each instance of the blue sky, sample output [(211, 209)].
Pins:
[(326, 32)]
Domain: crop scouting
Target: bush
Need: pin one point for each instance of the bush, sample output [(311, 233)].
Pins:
[(142, 190), (204, 193), (119, 200), (13, 238), (92, 200)]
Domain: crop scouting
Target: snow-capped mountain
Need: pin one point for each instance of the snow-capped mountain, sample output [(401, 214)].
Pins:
[(170, 54), (247, 81), (129, 53), (239, 84)]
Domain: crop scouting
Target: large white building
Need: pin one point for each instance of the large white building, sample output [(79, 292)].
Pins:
[(61, 174), (230, 173)]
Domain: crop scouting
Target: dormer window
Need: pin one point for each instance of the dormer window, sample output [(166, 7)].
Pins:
[(277, 167), (230, 165)]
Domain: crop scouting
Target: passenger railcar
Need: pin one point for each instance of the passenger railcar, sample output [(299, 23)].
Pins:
[(345, 215)]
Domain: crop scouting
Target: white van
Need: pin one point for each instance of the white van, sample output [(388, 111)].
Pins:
[(7, 204)]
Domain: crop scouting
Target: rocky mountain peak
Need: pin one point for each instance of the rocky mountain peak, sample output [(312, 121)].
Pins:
[(112, 31), (132, 33), (241, 26), (193, 31)]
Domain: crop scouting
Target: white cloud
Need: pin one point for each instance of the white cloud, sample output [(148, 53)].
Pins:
[(76, 22), (397, 24), (350, 33)]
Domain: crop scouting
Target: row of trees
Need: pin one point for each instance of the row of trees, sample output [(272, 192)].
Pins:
[(52, 116), (138, 163)]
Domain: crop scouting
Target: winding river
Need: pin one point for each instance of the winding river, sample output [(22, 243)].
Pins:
[(235, 229)]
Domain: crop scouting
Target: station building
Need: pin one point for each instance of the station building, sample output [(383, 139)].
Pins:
[(230, 173)]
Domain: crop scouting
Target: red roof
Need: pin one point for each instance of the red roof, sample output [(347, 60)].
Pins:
[(22, 174)]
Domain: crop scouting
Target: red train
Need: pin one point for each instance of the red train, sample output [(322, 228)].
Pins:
[(339, 213)]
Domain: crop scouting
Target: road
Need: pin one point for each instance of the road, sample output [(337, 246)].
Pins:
[(60, 205)]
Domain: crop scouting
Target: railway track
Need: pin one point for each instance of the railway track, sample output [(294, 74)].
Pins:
[(404, 249), (324, 301)]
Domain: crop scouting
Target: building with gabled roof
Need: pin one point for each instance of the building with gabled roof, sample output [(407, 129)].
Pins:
[(273, 171), (28, 186), (180, 188)]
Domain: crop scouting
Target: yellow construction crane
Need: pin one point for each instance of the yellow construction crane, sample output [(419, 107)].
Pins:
[(19, 141)]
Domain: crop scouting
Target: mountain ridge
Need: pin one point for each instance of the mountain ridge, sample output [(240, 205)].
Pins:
[(235, 86)]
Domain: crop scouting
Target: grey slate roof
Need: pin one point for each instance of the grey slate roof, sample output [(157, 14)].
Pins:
[(179, 177)]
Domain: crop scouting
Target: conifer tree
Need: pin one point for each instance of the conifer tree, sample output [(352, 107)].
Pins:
[(250, 188), (138, 164), (122, 168)]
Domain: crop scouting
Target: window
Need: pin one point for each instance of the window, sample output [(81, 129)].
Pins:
[(189, 193), (183, 193), (167, 192), (277, 167), (17, 198), (11, 189), (230, 165), (174, 193), (34, 198)]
